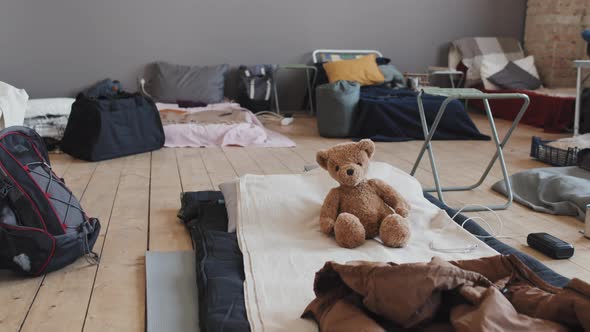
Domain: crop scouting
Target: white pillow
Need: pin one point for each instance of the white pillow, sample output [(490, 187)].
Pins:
[(528, 64), (230, 196), (13, 103), (490, 67), (49, 106)]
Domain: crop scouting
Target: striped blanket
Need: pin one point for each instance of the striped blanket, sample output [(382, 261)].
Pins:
[(474, 50)]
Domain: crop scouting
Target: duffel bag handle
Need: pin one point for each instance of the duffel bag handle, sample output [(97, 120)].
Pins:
[(115, 106)]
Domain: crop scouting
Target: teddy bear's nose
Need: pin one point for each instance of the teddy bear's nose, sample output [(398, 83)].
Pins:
[(350, 171)]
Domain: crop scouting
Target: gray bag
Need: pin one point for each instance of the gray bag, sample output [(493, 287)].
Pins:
[(336, 106)]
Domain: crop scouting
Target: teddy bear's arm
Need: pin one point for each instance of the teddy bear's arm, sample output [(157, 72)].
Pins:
[(391, 197), (329, 211)]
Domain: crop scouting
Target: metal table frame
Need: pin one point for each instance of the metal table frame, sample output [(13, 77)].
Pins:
[(468, 94), (451, 73), (310, 83)]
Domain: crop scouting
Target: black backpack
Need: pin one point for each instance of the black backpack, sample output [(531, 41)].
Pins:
[(255, 87), (42, 225)]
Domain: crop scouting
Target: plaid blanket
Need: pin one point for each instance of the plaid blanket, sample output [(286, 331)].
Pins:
[(473, 51)]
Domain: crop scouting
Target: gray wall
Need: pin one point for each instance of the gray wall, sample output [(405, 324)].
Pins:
[(54, 47)]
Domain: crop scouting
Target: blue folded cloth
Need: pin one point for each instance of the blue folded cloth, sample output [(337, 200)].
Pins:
[(104, 88)]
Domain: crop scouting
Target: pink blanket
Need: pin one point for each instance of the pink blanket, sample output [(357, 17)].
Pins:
[(250, 132)]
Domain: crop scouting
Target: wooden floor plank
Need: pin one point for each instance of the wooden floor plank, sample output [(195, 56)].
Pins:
[(219, 168), (167, 233), (241, 161), (60, 163), (118, 296), (266, 161), (291, 159), (17, 294), (193, 173), (61, 303)]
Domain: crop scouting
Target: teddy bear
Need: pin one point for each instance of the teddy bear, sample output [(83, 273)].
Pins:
[(361, 208)]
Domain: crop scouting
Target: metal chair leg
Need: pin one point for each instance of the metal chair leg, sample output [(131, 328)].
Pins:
[(428, 146), (499, 154)]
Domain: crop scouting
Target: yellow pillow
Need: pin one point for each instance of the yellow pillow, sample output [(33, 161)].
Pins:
[(363, 70)]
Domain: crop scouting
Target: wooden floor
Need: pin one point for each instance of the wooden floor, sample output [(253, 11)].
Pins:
[(136, 199)]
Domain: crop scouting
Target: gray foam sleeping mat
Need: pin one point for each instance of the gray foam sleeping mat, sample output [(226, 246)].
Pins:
[(171, 291)]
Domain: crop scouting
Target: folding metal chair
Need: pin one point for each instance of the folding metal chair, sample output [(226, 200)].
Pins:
[(468, 94)]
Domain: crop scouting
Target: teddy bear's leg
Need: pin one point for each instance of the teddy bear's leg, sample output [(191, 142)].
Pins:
[(349, 231), (402, 211), (326, 225), (395, 231)]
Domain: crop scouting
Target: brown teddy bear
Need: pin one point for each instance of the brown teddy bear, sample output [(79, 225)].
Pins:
[(359, 208)]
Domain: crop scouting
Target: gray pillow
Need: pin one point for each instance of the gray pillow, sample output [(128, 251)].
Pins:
[(170, 83), (513, 77)]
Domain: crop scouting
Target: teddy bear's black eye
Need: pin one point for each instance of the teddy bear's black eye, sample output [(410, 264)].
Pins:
[(361, 165), (337, 168)]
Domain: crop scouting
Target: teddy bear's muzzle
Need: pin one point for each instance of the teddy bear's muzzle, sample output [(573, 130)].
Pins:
[(350, 175)]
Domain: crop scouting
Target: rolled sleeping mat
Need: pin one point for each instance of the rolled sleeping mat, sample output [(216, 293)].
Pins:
[(336, 104)]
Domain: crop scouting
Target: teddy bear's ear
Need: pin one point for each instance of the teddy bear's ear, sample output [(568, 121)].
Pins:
[(322, 158), (368, 146)]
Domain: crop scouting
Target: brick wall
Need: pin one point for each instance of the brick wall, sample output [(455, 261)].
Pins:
[(552, 35)]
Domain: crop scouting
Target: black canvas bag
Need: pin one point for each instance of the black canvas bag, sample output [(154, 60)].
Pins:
[(585, 111), (112, 126), (42, 225), (255, 87)]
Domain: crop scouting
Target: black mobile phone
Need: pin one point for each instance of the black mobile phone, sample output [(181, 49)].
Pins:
[(550, 245)]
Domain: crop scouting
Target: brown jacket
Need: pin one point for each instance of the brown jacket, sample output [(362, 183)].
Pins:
[(490, 294)]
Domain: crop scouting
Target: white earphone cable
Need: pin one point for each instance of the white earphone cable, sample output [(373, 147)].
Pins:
[(493, 234)]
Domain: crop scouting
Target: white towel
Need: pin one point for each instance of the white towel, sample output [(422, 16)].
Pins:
[(283, 248), (13, 104)]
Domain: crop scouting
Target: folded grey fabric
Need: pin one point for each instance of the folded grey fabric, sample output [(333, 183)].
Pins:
[(170, 83), (392, 75), (555, 190)]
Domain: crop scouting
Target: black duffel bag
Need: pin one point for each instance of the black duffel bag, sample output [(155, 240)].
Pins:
[(112, 126)]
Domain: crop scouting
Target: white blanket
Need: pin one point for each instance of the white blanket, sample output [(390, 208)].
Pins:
[(249, 133), (13, 104), (279, 235)]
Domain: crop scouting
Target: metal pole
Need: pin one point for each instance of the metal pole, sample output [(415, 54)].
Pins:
[(578, 101)]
